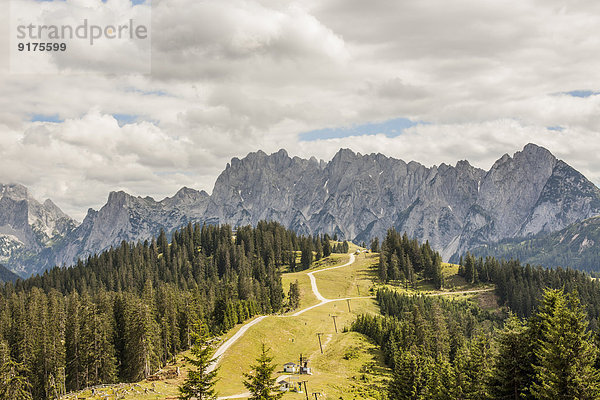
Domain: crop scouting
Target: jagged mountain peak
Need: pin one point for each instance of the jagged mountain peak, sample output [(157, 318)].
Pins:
[(358, 197), (28, 226), (14, 191)]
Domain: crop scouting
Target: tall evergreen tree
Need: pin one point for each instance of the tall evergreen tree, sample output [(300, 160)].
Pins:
[(512, 373), (200, 382), (565, 352), (260, 381), (294, 295), (375, 245), (306, 257), (410, 377)]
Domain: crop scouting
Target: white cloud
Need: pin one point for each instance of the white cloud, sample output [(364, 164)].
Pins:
[(237, 76)]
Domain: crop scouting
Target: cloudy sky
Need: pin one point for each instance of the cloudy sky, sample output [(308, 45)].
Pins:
[(427, 80)]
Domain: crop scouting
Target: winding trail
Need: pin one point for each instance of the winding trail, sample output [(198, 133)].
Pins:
[(315, 289), (322, 300), (461, 292), (313, 283), (225, 346)]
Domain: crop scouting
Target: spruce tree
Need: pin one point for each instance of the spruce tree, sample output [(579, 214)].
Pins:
[(200, 382), (512, 371), (565, 352), (294, 295), (260, 382), (326, 246), (375, 245), (410, 376), (306, 258)]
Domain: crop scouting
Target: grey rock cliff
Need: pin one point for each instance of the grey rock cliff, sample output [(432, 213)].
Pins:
[(361, 196), (27, 226), (126, 218), (355, 196)]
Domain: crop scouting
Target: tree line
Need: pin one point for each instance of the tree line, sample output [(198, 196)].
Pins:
[(520, 287), (122, 314), (444, 349), (401, 259)]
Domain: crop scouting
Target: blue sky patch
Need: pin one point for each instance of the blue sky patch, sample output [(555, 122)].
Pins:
[(555, 128), (390, 128), (159, 93), (45, 118), (124, 119), (582, 93)]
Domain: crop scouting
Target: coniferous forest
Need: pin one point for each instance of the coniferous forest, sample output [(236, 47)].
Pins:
[(121, 315), (401, 259), (451, 349)]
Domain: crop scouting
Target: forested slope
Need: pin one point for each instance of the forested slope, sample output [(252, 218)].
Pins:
[(453, 349), (575, 246), (121, 315)]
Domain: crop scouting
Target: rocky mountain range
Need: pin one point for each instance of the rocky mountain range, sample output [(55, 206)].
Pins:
[(27, 227), (355, 196), (575, 246)]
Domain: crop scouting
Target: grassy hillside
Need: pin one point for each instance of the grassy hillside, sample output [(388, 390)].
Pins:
[(351, 365), (288, 337), (576, 246)]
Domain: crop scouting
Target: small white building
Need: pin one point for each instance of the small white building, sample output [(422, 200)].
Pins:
[(291, 367), (305, 370), (284, 385)]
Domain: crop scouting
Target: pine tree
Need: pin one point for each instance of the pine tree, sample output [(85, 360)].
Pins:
[(326, 246), (410, 376), (565, 354), (260, 382), (375, 245), (200, 383), (294, 295), (306, 258), (512, 372)]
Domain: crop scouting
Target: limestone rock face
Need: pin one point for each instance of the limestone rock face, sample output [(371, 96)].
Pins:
[(126, 218), (27, 226), (355, 196), (360, 197)]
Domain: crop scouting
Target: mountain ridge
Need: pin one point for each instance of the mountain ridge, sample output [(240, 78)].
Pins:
[(574, 246), (357, 197)]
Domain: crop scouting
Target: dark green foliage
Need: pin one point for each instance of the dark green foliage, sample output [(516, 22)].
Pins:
[(294, 295), (442, 349), (521, 287), (401, 259), (564, 352), (326, 246), (431, 343), (342, 248), (306, 257), (513, 371), (375, 245), (13, 381), (123, 314), (410, 376), (260, 381), (200, 383)]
